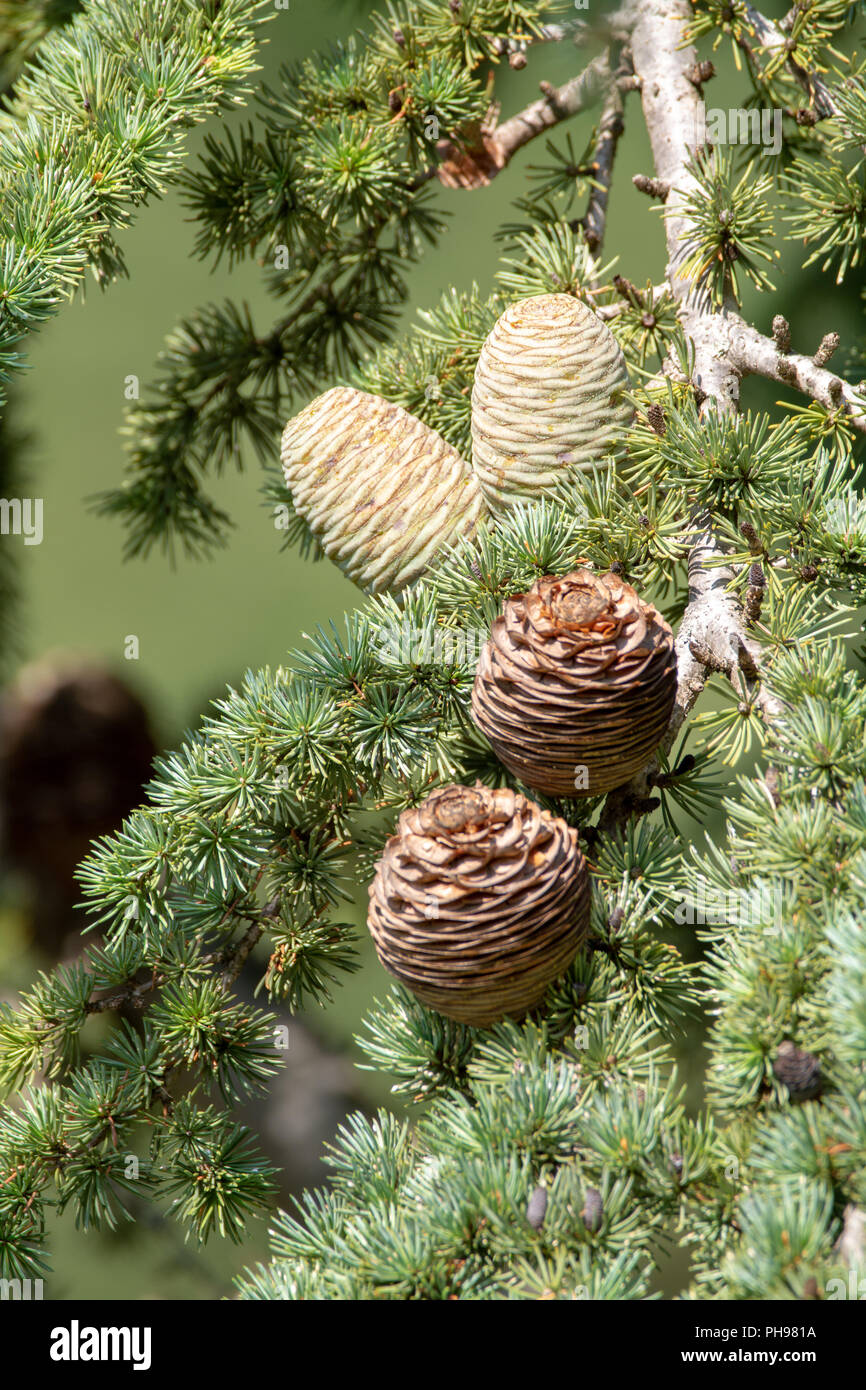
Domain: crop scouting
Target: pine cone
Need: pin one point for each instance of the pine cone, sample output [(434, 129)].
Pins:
[(480, 900), (381, 491), (799, 1071), (593, 1209), (548, 396), (537, 1208), (575, 687), (75, 750)]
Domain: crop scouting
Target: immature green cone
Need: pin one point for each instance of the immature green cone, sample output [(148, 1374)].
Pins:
[(576, 685), (548, 397), (480, 901), (381, 491)]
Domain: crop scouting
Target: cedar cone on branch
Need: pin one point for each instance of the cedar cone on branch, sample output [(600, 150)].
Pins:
[(575, 687), (479, 902), (75, 749), (798, 1071)]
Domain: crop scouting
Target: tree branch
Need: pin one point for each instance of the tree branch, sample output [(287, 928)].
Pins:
[(773, 39), (751, 351), (712, 633), (557, 104), (548, 33), (726, 347), (610, 129), (474, 165), (241, 950), (608, 312), (670, 104), (496, 147)]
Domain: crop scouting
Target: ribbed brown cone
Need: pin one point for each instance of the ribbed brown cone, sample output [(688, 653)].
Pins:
[(799, 1071), (480, 901), (575, 687), (380, 490), (75, 749)]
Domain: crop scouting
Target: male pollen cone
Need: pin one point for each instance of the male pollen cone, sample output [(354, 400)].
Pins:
[(479, 902), (576, 685)]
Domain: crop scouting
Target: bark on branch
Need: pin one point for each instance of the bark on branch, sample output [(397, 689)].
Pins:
[(670, 105), (557, 104), (712, 633), (475, 164), (751, 351), (610, 129)]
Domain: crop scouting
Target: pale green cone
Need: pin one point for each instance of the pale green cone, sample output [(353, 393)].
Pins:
[(548, 398), (381, 491)]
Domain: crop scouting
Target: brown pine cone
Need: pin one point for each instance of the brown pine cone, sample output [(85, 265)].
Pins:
[(575, 687), (798, 1071), (75, 749), (480, 901)]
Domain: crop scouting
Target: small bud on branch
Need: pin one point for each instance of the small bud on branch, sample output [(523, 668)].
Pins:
[(829, 344), (699, 73), (654, 188), (782, 333)]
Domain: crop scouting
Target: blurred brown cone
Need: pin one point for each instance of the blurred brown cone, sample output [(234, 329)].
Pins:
[(75, 749), (799, 1071), (575, 687), (480, 901)]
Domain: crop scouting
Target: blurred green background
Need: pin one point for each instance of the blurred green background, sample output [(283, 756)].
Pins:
[(201, 625)]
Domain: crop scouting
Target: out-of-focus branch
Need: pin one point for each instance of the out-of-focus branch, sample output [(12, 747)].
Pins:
[(772, 38), (610, 128)]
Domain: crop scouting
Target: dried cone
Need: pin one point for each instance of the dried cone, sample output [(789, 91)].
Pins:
[(575, 687), (380, 490), (480, 900), (547, 397)]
